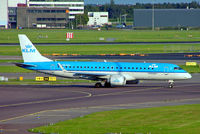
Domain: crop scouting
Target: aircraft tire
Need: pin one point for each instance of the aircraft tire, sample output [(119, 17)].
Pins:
[(98, 85), (107, 84)]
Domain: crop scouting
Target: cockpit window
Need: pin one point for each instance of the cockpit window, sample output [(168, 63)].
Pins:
[(177, 68)]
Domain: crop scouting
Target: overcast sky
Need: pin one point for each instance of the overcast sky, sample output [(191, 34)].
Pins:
[(136, 1)]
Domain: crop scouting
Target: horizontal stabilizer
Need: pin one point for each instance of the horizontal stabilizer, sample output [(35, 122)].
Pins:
[(24, 65)]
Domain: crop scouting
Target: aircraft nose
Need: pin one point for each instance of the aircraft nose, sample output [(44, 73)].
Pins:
[(188, 76)]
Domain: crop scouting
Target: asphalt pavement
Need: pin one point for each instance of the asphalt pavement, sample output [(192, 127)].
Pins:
[(25, 106)]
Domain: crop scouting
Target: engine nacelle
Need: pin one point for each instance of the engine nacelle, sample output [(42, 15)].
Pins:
[(133, 82), (117, 80)]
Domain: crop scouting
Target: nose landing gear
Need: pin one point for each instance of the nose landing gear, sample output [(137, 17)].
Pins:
[(171, 84)]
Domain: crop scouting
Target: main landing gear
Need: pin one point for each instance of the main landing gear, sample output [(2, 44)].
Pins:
[(99, 85), (171, 84)]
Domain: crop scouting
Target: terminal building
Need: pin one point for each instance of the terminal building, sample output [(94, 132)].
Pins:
[(166, 18), (39, 13), (74, 6), (42, 17)]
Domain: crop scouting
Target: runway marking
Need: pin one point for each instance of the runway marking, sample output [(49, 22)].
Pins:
[(148, 103), (53, 100), (89, 95), (130, 91), (52, 115), (18, 117)]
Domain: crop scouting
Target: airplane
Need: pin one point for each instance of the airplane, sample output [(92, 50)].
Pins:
[(109, 73)]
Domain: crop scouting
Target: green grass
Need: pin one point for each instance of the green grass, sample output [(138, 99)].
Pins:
[(162, 120), (106, 49), (191, 69), (14, 69), (10, 61), (59, 35)]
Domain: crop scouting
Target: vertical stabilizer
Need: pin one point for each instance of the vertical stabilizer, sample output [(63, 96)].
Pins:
[(29, 52)]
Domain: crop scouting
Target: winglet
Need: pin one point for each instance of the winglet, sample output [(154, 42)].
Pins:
[(29, 52)]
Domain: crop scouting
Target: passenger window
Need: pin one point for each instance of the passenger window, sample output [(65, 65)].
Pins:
[(128, 67), (132, 67), (120, 67), (124, 67), (107, 67), (116, 67)]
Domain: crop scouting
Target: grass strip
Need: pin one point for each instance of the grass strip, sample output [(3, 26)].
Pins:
[(105, 49), (14, 69), (162, 120), (191, 69), (85, 36)]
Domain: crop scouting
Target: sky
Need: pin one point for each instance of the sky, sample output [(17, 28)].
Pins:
[(136, 1)]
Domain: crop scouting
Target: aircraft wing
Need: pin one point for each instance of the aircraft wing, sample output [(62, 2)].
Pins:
[(91, 76)]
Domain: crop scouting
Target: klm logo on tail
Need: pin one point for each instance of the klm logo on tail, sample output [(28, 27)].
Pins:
[(28, 49)]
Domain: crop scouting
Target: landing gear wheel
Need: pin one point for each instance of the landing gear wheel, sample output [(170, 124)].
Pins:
[(171, 85), (98, 85), (107, 84)]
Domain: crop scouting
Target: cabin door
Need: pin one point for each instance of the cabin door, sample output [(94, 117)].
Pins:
[(52, 67), (166, 69)]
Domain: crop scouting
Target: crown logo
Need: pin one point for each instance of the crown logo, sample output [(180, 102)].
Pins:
[(28, 46)]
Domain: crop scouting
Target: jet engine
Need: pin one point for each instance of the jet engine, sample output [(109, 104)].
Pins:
[(117, 80)]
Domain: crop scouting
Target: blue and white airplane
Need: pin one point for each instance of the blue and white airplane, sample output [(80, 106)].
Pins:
[(109, 73)]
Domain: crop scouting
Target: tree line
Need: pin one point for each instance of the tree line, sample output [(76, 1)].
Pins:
[(115, 11)]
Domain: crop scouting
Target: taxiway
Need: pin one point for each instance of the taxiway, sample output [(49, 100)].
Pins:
[(25, 106)]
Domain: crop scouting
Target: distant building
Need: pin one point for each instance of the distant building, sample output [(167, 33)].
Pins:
[(14, 3), (166, 18), (10, 14), (97, 18), (74, 6), (31, 17), (4, 14)]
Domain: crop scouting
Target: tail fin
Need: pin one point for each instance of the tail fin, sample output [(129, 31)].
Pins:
[(29, 52)]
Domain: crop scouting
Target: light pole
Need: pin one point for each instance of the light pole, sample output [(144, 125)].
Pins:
[(153, 15)]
